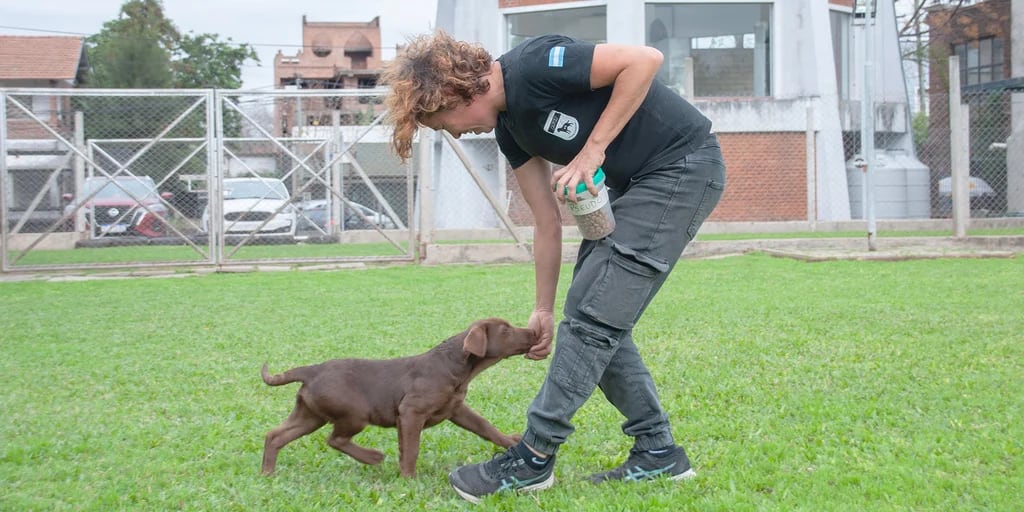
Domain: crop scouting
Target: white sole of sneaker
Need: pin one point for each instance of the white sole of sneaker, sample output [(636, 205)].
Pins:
[(689, 473), (539, 486)]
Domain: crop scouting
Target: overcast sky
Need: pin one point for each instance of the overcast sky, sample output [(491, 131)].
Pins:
[(269, 25)]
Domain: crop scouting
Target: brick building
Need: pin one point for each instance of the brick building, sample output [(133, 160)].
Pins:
[(56, 62), (334, 55), (33, 154)]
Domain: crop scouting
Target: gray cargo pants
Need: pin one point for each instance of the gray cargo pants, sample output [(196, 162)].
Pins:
[(613, 282)]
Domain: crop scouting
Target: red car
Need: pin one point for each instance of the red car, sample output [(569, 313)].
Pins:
[(116, 208)]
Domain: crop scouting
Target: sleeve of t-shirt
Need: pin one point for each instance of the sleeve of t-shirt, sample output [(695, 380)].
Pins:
[(513, 153), (557, 65)]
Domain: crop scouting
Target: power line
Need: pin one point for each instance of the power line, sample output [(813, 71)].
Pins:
[(272, 45), (45, 30)]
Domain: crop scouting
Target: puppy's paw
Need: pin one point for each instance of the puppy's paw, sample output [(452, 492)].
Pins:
[(374, 457)]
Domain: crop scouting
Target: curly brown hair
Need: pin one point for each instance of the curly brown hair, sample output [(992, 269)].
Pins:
[(434, 72)]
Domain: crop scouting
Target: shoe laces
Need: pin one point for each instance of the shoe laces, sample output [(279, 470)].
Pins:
[(504, 464)]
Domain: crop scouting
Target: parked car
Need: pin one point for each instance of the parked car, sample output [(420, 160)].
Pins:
[(123, 205), (250, 202), (316, 213), (982, 197)]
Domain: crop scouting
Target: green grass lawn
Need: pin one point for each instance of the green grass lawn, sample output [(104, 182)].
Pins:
[(793, 386)]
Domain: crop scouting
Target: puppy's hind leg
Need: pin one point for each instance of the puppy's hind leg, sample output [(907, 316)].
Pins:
[(300, 422), (341, 440)]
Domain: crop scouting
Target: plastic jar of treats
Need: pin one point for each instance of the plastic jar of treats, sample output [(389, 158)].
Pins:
[(593, 213)]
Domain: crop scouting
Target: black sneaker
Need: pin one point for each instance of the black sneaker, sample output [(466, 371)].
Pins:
[(505, 472), (645, 465)]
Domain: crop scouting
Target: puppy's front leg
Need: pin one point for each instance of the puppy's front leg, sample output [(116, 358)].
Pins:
[(409, 428), (468, 419)]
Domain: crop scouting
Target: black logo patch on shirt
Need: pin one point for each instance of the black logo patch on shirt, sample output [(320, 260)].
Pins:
[(562, 125)]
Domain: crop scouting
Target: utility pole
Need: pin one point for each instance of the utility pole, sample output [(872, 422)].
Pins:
[(864, 15)]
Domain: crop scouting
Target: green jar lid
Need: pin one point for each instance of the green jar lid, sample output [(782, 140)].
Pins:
[(582, 186)]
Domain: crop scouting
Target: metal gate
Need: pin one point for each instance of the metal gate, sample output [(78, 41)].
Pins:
[(104, 178)]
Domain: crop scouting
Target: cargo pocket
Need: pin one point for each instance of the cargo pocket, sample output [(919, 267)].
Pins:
[(619, 294), (709, 199), (581, 366)]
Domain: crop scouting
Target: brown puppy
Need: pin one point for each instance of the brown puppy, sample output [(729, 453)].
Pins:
[(411, 393)]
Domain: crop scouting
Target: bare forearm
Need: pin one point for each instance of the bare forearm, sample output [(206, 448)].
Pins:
[(547, 258)]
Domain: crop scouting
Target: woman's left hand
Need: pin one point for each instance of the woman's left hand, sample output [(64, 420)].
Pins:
[(580, 170)]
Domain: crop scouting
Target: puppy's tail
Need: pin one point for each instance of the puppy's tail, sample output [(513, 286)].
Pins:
[(293, 375)]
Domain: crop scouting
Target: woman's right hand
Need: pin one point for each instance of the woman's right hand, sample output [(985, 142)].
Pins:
[(543, 323)]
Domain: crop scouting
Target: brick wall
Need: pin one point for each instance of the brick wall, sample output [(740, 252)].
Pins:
[(766, 177), (766, 180)]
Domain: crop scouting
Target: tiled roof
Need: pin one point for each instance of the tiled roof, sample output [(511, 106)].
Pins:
[(40, 57)]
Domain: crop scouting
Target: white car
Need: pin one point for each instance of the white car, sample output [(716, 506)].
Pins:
[(313, 214), (250, 202)]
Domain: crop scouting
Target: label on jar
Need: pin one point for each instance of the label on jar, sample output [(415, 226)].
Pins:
[(587, 204)]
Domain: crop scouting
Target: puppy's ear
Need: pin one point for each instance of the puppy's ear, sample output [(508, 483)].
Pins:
[(476, 341)]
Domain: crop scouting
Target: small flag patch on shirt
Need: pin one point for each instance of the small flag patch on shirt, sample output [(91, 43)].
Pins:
[(556, 57)]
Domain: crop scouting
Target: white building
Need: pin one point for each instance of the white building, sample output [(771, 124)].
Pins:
[(781, 80)]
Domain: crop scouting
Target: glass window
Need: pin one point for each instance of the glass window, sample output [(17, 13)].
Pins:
[(985, 52), (728, 46), (41, 106), (981, 60), (840, 22), (586, 23)]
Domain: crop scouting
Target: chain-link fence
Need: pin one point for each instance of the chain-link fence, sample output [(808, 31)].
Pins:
[(989, 129), (200, 177), (144, 178)]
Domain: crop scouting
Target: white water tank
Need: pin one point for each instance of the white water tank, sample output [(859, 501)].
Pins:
[(901, 186)]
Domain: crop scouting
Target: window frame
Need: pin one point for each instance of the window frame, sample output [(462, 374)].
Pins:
[(512, 40), (981, 60), (761, 73)]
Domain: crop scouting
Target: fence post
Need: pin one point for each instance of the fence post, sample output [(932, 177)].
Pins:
[(812, 170), (3, 181), (215, 169), (426, 191), (337, 215), (79, 170), (959, 153)]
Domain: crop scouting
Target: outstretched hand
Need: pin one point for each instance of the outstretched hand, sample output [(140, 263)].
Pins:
[(543, 323)]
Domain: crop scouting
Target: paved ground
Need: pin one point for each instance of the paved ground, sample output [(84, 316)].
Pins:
[(811, 250), (885, 249)]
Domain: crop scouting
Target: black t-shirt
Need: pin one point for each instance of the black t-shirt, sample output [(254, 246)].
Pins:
[(551, 110)]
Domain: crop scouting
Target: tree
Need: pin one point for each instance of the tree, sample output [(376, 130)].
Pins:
[(143, 49), (133, 51), (201, 60)]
